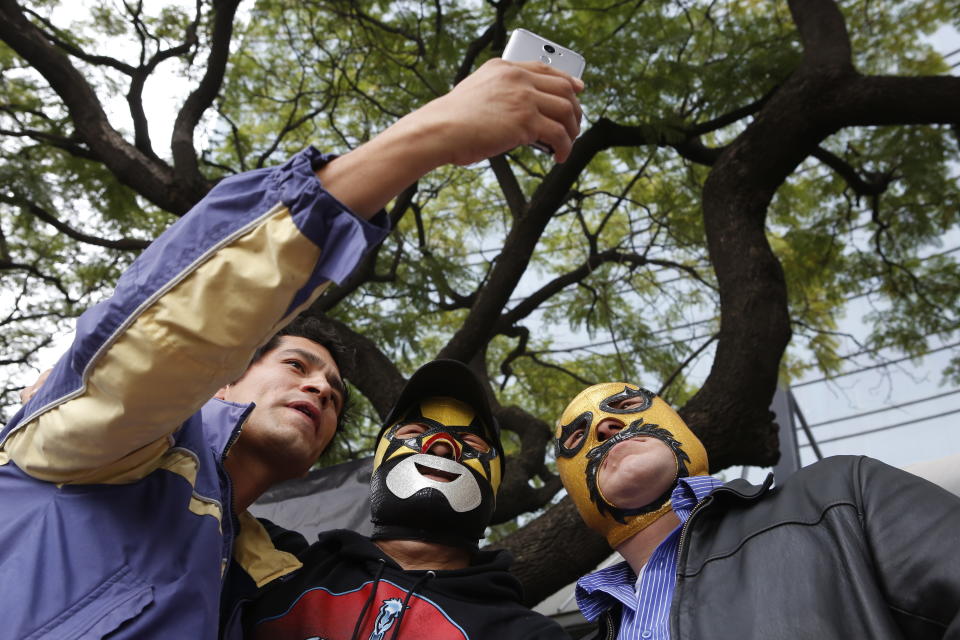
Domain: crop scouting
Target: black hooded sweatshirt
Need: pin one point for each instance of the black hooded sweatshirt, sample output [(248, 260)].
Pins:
[(348, 589)]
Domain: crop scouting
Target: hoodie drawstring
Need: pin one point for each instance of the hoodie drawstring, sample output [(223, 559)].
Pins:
[(403, 608), (366, 605)]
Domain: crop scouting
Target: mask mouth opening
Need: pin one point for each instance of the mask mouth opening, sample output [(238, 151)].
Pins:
[(598, 455), (437, 475)]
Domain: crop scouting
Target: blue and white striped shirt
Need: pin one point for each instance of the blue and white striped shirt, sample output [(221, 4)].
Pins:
[(646, 599)]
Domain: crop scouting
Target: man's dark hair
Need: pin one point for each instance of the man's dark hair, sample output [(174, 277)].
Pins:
[(313, 329)]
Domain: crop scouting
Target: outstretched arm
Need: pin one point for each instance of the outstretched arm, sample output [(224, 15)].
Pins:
[(500, 106)]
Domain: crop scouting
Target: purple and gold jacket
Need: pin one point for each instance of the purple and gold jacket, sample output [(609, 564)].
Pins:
[(115, 508)]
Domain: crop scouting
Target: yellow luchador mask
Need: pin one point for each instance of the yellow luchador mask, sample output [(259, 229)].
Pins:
[(581, 452)]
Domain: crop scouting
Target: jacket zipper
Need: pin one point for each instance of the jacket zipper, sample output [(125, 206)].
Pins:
[(234, 525), (236, 434), (230, 508), (686, 525), (610, 635), (683, 537)]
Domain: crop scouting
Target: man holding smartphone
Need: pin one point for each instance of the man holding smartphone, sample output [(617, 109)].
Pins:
[(126, 475)]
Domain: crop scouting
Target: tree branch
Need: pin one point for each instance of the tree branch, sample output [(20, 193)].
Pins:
[(516, 496), (123, 244), (138, 74), (521, 240), (823, 32), (494, 36), (77, 52), (896, 100), (727, 118), (544, 293), (523, 333), (10, 265), (417, 40), (683, 365), (185, 162), (59, 142), (516, 201), (150, 178), (850, 175), (139, 79)]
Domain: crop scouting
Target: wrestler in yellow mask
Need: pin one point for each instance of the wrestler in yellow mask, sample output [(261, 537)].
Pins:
[(581, 452)]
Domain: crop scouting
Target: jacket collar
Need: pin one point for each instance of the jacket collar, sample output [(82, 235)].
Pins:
[(254, 552), (231, 415), (744, 490)]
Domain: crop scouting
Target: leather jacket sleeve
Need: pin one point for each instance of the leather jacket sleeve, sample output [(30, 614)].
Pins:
[(913, 529)]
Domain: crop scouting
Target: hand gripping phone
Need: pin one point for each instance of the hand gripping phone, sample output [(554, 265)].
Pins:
[(526, 46)]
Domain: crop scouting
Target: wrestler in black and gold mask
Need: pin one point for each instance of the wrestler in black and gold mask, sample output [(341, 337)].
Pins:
[(439, 460)]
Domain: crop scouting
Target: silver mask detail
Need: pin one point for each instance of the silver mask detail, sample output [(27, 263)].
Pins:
[(463, 494)]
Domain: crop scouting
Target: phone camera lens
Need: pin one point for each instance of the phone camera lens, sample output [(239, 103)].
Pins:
[(549, 48)]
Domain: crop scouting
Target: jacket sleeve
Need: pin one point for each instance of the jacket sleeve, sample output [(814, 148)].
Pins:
[(185, 319), (913, 527)]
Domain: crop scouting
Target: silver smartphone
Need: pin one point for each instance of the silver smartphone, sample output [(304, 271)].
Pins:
[(527, 46)]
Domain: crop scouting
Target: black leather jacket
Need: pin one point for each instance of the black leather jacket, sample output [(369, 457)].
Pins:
[(847, 548)]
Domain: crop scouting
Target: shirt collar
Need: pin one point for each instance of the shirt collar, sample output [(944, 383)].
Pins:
[(690, 491), (598, 591)]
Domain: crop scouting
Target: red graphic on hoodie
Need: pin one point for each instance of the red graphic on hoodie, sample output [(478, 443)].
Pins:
[(321, 615)]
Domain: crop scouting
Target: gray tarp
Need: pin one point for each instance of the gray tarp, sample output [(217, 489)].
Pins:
[(336, 497)]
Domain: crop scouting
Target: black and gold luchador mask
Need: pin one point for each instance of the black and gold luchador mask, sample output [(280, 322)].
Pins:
[(439, 462), (639, 413)]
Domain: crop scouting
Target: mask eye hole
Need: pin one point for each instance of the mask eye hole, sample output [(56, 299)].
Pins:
[(572, 436), (411, 430), (628, 401), (628, 404), (574, 439), (475, 442)]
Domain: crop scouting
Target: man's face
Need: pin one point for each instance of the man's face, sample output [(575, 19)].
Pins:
[(620, 450), (298, 394)]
